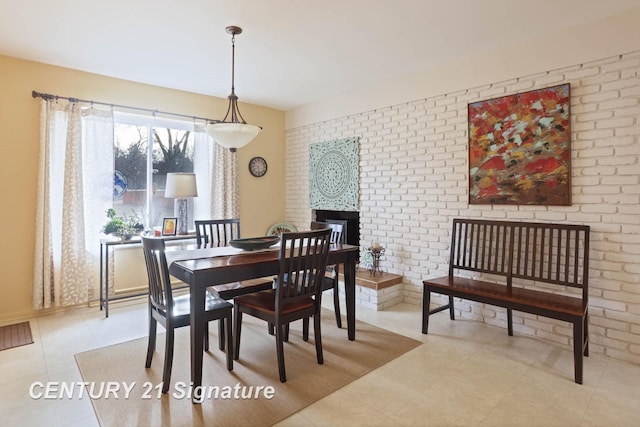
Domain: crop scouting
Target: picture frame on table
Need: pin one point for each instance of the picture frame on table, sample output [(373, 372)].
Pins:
[(169, 226)]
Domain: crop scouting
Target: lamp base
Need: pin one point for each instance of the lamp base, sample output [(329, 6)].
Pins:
[(181, 211)]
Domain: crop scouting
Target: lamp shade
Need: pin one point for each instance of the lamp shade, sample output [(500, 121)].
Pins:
[(232, 135), (181, 185)]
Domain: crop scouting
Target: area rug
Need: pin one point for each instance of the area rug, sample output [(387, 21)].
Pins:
[(239, 397), (15, 335)]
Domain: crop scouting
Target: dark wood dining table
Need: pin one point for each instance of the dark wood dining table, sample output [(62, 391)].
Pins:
[(200, 273)]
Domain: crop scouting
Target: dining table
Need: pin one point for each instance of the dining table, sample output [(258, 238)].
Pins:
[(201, 268)]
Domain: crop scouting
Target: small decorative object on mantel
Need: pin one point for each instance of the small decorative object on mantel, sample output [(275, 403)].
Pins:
[(372, 258)]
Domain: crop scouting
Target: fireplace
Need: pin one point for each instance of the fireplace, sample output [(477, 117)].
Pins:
[(351, 221)]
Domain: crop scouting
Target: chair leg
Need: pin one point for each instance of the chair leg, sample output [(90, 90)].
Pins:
[(280, 351), (168, 360), (305, 329), (206, 336), (452, 314), (221, 334), (317, 336), (237, 324), (586, 333), (578, 349), (510, 322), (285, 336), (151, 347), (227, 322), (336, 300), (426, 302)]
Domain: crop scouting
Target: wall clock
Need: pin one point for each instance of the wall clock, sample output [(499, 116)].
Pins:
[(258, 166)]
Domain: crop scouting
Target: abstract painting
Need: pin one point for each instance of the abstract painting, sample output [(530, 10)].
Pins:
[(520, 149), (333, 175)]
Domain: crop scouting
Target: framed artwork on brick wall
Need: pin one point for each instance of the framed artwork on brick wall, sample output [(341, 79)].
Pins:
[(334, 175), (520, 149)]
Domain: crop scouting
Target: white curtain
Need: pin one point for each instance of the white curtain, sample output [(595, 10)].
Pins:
[(216, 170), (75, 188)]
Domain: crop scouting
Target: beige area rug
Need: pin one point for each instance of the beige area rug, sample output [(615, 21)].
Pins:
[(307, 382)]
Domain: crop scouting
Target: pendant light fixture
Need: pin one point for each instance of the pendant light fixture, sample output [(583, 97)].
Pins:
[(233, 131)]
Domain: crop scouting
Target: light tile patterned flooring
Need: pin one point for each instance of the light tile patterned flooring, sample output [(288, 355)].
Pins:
[(465, 374)]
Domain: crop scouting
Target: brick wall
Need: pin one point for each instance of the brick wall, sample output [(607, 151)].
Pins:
[(413, 181)]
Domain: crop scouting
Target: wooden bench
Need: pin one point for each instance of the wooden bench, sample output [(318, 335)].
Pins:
[(535, 254)]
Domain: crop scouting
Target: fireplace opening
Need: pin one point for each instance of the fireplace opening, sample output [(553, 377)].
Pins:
[(351, 221)]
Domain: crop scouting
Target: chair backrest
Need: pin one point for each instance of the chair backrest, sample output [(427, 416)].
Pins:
[(344, 224), (302, 264), (213, 233), (160, 295), (336, 230), (318, 225)]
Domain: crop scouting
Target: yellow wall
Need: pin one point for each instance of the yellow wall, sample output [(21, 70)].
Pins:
[(262, 201)]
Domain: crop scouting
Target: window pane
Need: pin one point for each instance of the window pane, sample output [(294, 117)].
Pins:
[(172, 152), (130, 181), (143, 157)]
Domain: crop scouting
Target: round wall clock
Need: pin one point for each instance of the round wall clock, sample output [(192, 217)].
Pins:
[(258, 166)]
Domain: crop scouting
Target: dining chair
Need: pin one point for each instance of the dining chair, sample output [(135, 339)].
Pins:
[(211, 233), (331, 277), (302, 262), (173, 311)]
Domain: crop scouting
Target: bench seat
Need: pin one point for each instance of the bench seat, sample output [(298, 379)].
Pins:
[(561, 307), (555, 254)]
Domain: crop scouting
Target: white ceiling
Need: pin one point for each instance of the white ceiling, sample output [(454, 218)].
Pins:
[(291, 53)]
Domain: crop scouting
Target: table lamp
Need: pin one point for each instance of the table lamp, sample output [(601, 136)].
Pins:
[(181, 186)]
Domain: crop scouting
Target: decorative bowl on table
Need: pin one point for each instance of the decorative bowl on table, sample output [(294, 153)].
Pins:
[(254, 243)]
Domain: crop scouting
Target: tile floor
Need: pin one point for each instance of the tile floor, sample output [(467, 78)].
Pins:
[(465, 374)]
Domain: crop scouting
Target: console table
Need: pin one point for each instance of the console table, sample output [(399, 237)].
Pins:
[(105, 244)]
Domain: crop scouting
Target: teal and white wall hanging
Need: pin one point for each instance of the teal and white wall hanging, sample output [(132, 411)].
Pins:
[(333, 174)]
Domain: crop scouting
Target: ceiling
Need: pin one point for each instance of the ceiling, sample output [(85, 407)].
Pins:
[(291, 52)]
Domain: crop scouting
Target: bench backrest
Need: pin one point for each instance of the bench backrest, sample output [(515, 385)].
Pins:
[(551, 253)]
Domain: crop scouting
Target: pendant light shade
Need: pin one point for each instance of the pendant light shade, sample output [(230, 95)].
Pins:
[(233, 131), (233, 135)]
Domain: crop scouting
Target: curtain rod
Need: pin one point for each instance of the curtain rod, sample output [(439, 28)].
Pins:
[(50, 97)]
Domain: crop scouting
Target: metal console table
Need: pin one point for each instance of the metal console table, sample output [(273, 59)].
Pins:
[(105, 244)]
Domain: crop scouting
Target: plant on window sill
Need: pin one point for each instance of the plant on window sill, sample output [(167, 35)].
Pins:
[(122, 226)]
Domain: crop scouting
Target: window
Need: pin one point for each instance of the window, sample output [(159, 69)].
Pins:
[(145, 150)]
